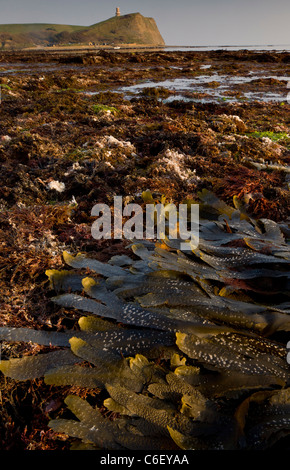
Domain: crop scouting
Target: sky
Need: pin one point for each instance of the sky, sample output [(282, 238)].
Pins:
[(180, 22)]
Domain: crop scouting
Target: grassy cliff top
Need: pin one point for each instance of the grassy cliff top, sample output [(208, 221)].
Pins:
[(127, 29)]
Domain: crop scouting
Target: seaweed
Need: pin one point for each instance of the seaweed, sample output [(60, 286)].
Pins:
[(184, 345)]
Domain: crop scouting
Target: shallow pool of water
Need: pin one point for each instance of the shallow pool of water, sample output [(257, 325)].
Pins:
[(225, 83)]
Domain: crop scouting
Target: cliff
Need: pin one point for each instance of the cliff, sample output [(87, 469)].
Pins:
[(127, 29)]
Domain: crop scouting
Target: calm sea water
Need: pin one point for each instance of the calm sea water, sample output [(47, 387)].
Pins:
[(279, 48)]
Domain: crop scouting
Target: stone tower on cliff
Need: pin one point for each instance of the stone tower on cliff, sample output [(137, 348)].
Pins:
[(118, 11)]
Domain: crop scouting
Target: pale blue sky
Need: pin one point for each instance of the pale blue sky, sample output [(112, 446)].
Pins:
[(181, 22)]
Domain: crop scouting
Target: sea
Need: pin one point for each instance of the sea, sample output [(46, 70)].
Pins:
[(261, 48)]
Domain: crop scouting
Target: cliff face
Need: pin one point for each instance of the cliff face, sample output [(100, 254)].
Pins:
[(128, 29)]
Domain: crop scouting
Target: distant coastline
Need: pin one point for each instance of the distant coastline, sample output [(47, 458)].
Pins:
[(165, 48)]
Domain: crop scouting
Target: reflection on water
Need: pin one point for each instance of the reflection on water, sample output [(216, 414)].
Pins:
[(184, 87)]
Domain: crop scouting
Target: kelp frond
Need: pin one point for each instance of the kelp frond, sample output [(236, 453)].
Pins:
[(184, 344)]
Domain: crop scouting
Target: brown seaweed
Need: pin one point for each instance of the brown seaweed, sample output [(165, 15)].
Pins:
[(223, 381)]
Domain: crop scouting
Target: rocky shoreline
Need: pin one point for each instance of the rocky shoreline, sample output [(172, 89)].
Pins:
[(71, 137)]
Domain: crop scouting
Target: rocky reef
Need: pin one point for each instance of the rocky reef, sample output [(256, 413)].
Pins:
[(148, 346)]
